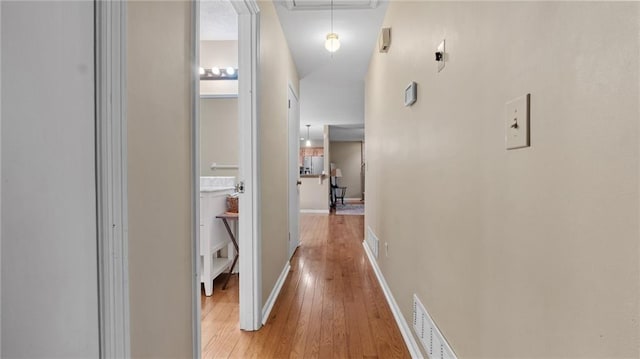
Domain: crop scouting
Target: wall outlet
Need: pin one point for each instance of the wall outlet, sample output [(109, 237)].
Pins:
[(386, 249)]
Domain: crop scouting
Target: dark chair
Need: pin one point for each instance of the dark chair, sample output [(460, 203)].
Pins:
[(339, 193)]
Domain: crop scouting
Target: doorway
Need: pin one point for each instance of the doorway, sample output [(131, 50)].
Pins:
[(226, 85), (294, 171)]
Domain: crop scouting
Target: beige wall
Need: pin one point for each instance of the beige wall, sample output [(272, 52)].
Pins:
[(277, 70), (218, 135), (314, 194), (218, 54), (347, 156), (529, 253), (158, 116)]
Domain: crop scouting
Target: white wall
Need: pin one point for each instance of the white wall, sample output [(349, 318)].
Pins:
[(218, 135), (49, 270), (330, 103), (529, 253)]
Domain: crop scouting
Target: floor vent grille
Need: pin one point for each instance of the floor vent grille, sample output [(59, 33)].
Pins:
[(428, 333), (372, 242)]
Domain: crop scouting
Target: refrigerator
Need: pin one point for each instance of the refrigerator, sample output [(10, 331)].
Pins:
[(313, 165)]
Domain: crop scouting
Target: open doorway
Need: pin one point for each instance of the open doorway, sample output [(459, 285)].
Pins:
[(227, 285), (347, 165), (219, 147)]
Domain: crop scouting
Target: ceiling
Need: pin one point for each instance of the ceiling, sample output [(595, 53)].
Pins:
[(331, 86), (218, 20)]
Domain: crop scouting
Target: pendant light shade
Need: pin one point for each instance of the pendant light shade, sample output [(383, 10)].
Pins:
[(308, 138), (333, 43)]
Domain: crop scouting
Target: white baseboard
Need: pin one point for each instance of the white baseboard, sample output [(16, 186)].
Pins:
[(405, 330), (353, 199), (317, 211), (266, 310)]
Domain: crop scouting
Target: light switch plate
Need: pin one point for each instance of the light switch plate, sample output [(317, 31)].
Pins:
[(441, 49), (516, 124), (411, 94)]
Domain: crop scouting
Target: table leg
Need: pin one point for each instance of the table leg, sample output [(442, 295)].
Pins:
[(235, 245)]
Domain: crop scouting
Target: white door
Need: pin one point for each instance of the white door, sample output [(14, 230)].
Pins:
[(294, 173), (49, 246)]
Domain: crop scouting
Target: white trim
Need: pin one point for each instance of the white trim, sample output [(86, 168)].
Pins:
[(318, 211), (292, 6), (353, 199), (409, 340), (0, 175), (268, 306), (111, 178), (196, 328), (249, 161)]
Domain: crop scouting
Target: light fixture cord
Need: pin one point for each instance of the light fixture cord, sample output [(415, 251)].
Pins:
[(332, 42)]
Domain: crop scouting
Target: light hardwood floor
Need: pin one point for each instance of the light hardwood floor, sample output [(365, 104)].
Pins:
[(331, 305)]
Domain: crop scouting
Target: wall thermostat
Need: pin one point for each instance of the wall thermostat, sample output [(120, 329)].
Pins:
[(411, 94)]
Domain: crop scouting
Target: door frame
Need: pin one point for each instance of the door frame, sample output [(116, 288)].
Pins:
[(291, 93), (249, 163), (111, 178)]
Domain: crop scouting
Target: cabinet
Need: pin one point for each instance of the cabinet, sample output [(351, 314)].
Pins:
[(310, 152), (216, 249)]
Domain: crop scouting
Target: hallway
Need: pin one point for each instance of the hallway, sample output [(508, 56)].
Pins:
[(331, 305)]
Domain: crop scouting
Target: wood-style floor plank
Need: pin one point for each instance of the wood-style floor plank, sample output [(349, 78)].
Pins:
[(331, 305)]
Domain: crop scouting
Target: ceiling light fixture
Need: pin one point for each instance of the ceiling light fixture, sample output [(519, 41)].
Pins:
[(308, 139), (332, 44), (218, 73)]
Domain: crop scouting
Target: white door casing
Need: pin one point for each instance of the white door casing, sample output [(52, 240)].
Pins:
[(294, 170), (195, 174), (249, 234), (111, 134)]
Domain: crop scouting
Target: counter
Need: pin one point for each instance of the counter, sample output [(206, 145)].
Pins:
[(311, 176)]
